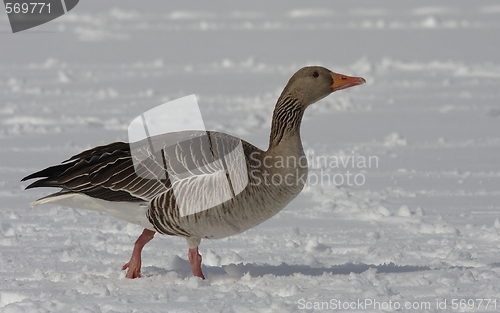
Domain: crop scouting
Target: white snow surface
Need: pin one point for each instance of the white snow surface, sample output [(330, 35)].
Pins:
[(419, 225)]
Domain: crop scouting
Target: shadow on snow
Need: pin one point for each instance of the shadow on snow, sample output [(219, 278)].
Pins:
[(183, 269)]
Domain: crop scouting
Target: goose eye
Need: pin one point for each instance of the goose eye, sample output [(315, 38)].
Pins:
[(315, 74)]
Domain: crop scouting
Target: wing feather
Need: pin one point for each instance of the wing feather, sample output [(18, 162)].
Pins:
[(109, 172)]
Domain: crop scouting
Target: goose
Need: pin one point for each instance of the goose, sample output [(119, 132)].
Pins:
[(105, 178)]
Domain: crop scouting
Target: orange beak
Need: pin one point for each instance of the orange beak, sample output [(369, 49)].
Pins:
[(342, 81)]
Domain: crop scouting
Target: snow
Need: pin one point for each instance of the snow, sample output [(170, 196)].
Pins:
[(422, 228)]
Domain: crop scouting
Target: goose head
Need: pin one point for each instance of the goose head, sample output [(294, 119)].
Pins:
[(307, 86), (312, 83)]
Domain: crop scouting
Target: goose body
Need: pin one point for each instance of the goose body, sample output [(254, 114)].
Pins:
[(152, 204), (184, 190)]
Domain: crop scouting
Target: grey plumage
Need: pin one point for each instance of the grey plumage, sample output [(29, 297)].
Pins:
[(177, 184)]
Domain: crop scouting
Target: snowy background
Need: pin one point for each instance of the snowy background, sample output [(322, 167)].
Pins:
[(423, 228)]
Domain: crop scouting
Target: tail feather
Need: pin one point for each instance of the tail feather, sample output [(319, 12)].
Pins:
[(46, 182), (132, 212), (46, 174)]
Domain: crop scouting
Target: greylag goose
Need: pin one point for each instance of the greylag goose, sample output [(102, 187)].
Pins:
[(105, 178)]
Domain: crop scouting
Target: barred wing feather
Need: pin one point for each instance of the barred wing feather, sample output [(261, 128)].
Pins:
[(200, 169)]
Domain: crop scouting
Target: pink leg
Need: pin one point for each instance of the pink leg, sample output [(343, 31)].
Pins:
[(195, 260), (134, 265)]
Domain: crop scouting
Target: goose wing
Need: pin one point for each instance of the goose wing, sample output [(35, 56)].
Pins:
[(189, 162)]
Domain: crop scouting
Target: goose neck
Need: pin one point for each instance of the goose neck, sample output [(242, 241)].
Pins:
[(285, 127)]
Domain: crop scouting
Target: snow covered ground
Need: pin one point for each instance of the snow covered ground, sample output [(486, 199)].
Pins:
[(419, 227)]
